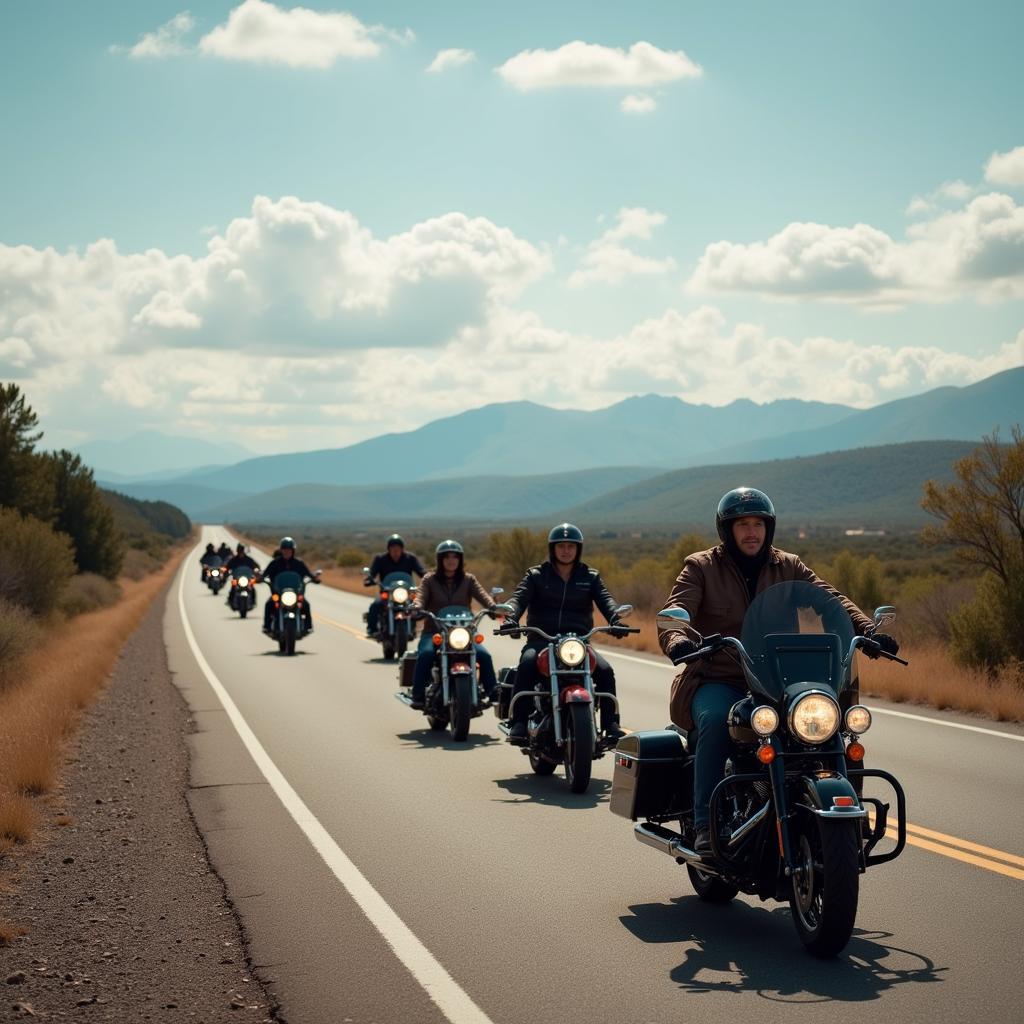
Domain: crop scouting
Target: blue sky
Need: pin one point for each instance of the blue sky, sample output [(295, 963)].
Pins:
[(811, 200)]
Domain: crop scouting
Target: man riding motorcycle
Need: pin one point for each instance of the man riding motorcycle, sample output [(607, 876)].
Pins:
[(449, 584), (287, 562), (242, 558), (223, 552), (716, 587), (559, 596), (395, 559), (208, 557)]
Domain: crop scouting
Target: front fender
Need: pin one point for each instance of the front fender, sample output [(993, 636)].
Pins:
[(831, 795)]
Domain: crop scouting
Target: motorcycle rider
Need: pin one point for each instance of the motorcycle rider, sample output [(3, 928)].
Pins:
[(207, 558), (716, 587), (559, 596), (239, 560), (395, 559), (287, 562), (448, 584), (223, 552)]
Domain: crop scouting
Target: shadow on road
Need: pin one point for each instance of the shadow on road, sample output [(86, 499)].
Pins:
[(552, 791), (739, 948), (430, 739)]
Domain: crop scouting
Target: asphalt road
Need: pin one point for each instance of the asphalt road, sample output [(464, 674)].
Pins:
[(385, 873)]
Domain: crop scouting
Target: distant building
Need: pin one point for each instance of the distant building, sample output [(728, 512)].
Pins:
[(861, 532)]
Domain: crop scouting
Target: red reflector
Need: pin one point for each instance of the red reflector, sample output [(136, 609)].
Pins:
[(844, 801)]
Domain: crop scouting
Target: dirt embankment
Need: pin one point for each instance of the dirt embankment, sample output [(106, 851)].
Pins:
[(123, 917)]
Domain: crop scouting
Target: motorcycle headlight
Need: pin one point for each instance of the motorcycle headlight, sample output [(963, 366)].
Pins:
[(858, 719), (399, 595), (458, 638), (243, 581), (572, 652), (814, 718), (289, 598), (764, 720), (214, 572)]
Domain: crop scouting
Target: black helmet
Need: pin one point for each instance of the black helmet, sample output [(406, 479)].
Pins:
[(395, 539), (210, 547), (240, 549), (444, 548), (565, 532), (286, 542), (741, 502)]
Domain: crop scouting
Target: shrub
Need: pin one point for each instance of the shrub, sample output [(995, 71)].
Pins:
[(517, 549), (19, 634), (350, 558), (88, 591), (979, 636), (35, 562)]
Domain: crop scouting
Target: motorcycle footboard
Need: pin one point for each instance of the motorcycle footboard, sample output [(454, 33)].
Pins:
[(881, 823), (404, 698)]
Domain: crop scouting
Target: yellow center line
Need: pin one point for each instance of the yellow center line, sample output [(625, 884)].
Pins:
[(967, 858), (964, 844), (341, 625)]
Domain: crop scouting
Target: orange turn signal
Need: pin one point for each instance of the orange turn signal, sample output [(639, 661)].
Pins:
[(855, 752), (766, 754), (479, 638), (383, 595), (437, 639)]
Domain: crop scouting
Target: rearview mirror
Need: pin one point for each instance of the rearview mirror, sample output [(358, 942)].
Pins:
[(672, 618), (502, 609), (624, 611), (495, 591), (884, 615)]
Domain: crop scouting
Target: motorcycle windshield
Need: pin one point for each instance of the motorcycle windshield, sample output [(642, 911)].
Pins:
[(288, 581), (396, 579), (455, 615), (215, 562), (240, 570), (796, 633)]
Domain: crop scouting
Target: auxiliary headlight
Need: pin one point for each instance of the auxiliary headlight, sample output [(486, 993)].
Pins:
[(764, 720), (572, 652), (243, 581), (399, 595), (288, 598), (458, 638), (814, 718), (858, 719)]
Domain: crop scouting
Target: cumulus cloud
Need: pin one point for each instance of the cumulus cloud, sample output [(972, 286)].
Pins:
[(588, 64), (452, 58), (607, 260), (637, 103), (1006, 168), (167, 41), (977, 250)]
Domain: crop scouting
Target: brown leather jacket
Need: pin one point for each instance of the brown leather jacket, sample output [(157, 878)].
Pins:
[(712, 589), (436, 593)]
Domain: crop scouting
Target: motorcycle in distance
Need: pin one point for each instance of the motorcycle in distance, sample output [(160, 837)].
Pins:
[(453, 697), (395, 627), (242, 595), (562, 727), (216, 575), (788, 820), (287, 619)]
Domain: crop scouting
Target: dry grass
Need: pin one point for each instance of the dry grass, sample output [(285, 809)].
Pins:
[(40, 705)]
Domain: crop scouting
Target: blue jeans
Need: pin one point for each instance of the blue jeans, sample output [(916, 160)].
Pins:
[(425, 660), (710, 710)]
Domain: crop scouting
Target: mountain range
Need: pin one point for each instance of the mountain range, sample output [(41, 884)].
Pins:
[(519, 458)]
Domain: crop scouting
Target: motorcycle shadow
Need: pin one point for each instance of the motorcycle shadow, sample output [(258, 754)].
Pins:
[(740, 948), (431, 739), (552, 791), (280, 654)]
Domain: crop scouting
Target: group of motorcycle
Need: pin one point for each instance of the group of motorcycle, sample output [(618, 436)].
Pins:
[(789, 821)]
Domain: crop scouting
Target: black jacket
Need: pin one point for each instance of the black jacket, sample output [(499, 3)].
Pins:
[(247, 560), (207, 557), (279, 565), (562, 606), (384, 566)]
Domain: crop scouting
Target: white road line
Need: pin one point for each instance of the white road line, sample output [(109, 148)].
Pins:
[(442, 988)]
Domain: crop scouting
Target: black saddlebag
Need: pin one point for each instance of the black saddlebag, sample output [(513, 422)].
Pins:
[(653, 776), (407, 668)]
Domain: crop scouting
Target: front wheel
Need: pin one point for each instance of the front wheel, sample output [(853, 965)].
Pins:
[(243, 609), (461, 709), (825, 883), (289, 636), (389, 651), (402, 641), (579, 746)]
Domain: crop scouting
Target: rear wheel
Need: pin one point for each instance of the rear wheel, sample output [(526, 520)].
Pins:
[(710, 888), (579, 746), (461, 709), (826, 883)]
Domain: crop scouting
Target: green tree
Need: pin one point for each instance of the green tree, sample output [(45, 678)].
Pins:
[(36, 562), (983, 513), (23, 482), (516, 550)]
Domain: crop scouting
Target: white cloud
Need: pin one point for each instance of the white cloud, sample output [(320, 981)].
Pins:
[(1006, 168), (260, 31), (452, 58), (637, 103), (167, 41), (588, 64), (978, 251), (608, 261)]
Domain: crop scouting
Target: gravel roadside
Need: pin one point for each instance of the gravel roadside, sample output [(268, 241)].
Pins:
[(125, 918)]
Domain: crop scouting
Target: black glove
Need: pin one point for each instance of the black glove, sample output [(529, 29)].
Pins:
[(682, 649), (510, 628), (889, 644), (367, 583), (618, 629)]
